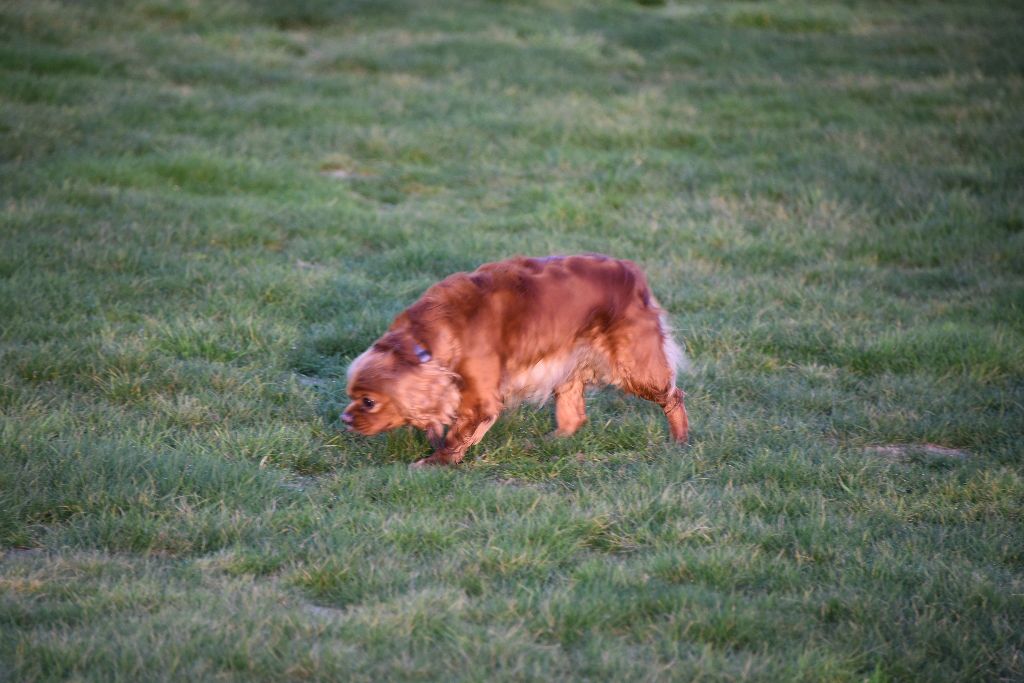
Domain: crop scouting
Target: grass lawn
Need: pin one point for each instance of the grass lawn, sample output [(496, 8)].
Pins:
[(207, 209)]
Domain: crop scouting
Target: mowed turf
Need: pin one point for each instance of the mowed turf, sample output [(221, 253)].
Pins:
[(209, 208)]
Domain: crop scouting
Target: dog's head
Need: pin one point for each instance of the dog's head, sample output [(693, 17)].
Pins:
[(395, 382)]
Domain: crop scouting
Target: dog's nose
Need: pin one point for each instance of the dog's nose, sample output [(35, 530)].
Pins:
[(346, 418)]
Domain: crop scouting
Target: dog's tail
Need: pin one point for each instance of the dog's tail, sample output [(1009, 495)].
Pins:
[(674, 353)]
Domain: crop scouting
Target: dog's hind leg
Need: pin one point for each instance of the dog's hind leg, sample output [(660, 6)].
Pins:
[(570, 409), (675, 412), (643, 365)]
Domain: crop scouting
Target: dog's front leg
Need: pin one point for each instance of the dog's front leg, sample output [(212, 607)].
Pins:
[(477, 411), (469, 427), (435, 435)]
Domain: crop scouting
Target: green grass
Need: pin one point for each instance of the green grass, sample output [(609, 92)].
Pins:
[(209, 208)]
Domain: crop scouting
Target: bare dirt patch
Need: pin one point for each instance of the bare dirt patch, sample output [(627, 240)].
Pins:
[(906, 451), (308, 381), (339, 173), (328, 613)]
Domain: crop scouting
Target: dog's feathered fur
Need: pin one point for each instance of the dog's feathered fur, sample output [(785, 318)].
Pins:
[(521, 329)]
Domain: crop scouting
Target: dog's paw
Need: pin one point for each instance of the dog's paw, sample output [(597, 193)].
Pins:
[(429, 461), (435, 460)]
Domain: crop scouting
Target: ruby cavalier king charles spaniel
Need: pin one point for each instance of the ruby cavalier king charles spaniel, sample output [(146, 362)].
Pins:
[(513, 331)]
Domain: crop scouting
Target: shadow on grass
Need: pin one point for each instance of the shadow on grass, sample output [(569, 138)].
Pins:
[(318, 13)]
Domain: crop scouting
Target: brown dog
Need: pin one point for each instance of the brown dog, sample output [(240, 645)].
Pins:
[(516, 330)]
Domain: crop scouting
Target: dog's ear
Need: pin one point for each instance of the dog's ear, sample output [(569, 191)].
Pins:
[(428, 393), (424, 391)]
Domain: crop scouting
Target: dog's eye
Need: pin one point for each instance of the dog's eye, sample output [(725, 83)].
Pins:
[(369, 402)]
